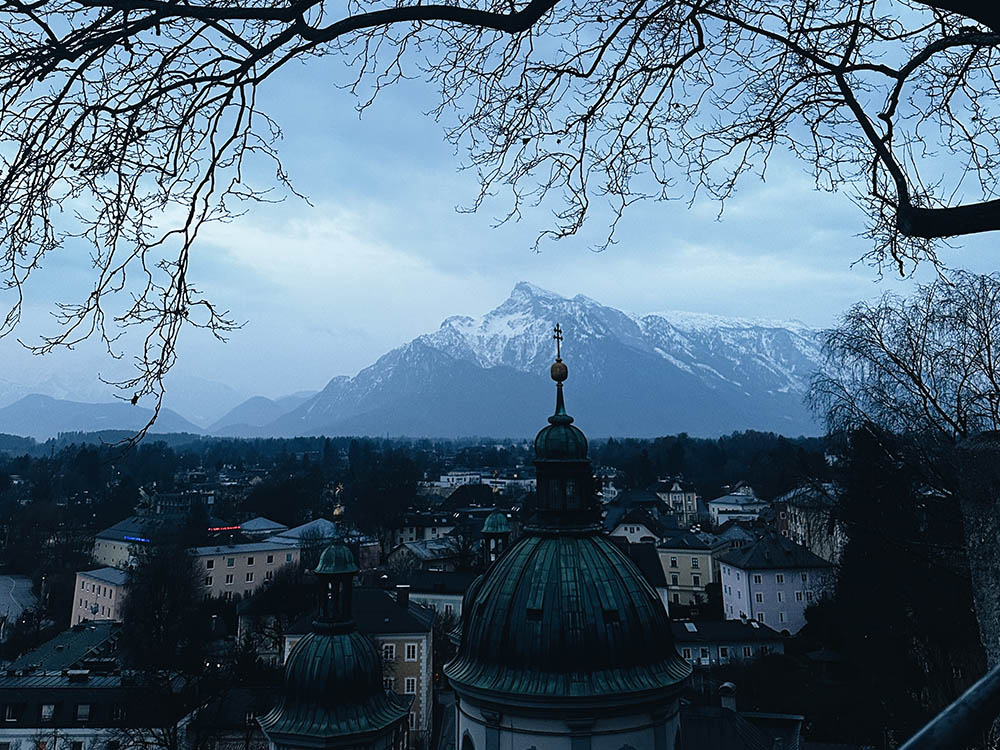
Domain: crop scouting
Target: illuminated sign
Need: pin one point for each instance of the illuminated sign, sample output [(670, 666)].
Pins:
[(135, 539), (224, 528)]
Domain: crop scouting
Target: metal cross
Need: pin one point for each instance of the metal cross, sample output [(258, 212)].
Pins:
[(558, 337)]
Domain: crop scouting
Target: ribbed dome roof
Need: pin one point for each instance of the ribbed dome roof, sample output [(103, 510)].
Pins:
[(561, 441), (565, 616), (333, 687), (496, 523), (335, 560)]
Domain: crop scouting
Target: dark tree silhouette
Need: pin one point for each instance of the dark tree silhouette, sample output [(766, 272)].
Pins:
[(141, 116)]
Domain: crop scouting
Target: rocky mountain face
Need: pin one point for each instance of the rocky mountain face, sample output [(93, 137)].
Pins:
[(632, 375)]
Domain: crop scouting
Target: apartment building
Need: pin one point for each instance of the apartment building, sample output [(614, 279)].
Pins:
[(773, 581), (98, 595), (688, 561), (237, 570)]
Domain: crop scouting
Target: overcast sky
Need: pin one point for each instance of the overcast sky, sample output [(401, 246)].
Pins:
[(382, 255)]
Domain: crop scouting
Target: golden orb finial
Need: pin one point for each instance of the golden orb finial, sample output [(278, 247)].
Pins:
[(559, 371)]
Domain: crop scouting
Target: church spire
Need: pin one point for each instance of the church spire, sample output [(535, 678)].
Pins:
[(559, 373), (564, 476)]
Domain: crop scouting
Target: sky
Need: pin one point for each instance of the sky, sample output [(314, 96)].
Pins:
[(382, 255)]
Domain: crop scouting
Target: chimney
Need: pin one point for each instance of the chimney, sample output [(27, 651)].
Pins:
[(403, 595), (727, 695)]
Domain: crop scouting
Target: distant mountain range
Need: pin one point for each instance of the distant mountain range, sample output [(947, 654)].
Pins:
[(638, 375), (42, 417)]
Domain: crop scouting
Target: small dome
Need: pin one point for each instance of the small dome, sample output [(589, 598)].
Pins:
[(333, 687), (336, 559), (561, 441), (496, 523), (565, 616)]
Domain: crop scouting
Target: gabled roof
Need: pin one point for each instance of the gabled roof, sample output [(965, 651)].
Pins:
[(70, 647), (691, 540), (261, 525), (659, 527), (812, 496), (773, 552), (317, 530), (443, 548)]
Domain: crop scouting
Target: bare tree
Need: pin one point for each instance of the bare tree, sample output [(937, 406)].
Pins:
[(927, 371), (130, 123), (929, 364)]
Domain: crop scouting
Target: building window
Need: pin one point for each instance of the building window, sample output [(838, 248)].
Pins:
[(118, 711), (229, 579), (781, 617), (704, 653), (759, 597), (288, 557), (757, 578), (11, 712), (230, 562), (250, 577), (388, 652), (83, 585), (208, 580), (723, 652), (411, 651), (781, 597), (780, 578), (673, 562), (674, 580), (809, 596), (227, 596), (696, 580), (388, 683), (686, 653), (76, 745), (270, 559), (410, 686), (448, 609), (413, 720), (83, 712), (268, 575), (694, 562), (760, 617), (249, 561), (48, 711), (747, 651), (805, 577), (798, 596)]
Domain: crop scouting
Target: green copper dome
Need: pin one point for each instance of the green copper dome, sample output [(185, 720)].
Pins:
[(496, 523), (336, 559), (560, 440), (333, 694), (565, 616), (333, 687)]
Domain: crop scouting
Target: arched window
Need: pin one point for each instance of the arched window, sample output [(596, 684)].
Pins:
[(467, 743)]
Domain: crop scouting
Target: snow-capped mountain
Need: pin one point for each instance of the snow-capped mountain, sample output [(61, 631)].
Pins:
[(630, 374)]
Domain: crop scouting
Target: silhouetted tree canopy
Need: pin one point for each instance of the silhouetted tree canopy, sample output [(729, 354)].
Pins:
[(141, 116)]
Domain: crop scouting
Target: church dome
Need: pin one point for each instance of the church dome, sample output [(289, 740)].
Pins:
[(565, 615), (496, 523), (333, 687), (333, 677)]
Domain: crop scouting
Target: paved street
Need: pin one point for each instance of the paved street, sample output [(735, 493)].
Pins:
[(15, 595)]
